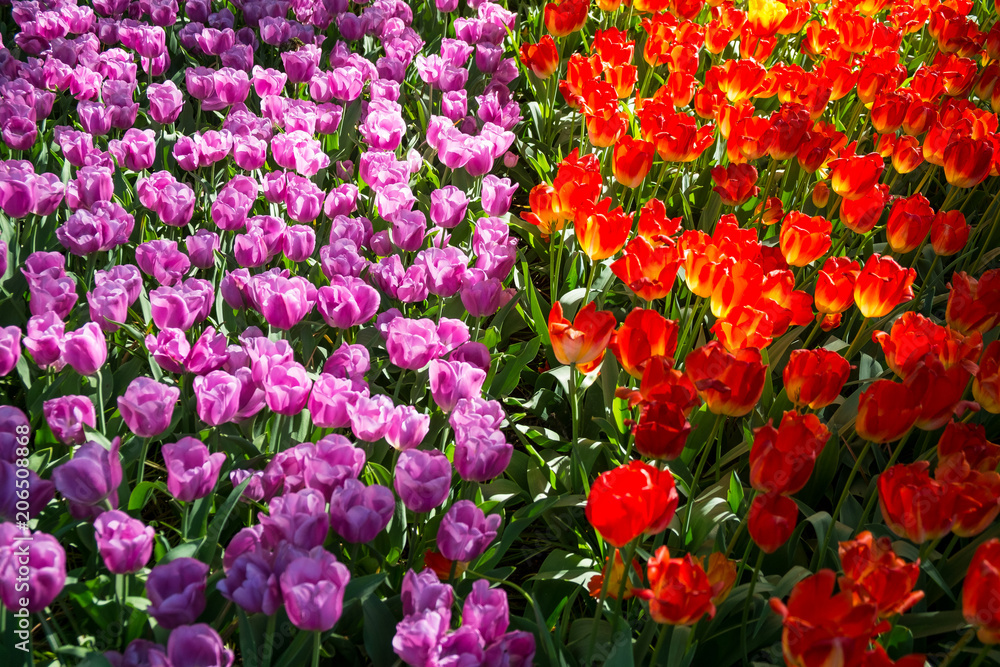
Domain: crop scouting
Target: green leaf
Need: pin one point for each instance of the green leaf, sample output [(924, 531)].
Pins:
[(735, 495), (207, 552), (140, 494), (297, 653), (564, 566), (508, 378), (378, 620)]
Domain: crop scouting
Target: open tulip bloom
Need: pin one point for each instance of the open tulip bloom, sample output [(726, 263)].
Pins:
[(448, 333)]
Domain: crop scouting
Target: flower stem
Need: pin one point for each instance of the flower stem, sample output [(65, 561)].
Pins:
[(821, 553), (608, 566), (268, 651), (142, 460), (747, 603), (701, 466), (957, 648), (316, 645), (660, 643)]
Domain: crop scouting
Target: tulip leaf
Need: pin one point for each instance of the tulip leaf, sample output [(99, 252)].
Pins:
[(140, 494), (933, 623), (297, 652), (207, 551), (509, 377), (377, 619), (735, 495)]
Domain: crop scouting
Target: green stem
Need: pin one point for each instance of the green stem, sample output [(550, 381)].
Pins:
[(316, 647), (701, 466), (574, 407), (858, 341), (957, 648), (747, 603), (269, 640), (608, 566), (627, 569), (983, 652), (821, 553), (660, 643), (143, 455)]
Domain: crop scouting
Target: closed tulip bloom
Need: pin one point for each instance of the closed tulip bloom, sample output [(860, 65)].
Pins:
[(541, 58), (481, 452), (286, 389), (814, 378), (176, 591), (631, 500), (731, 384), (631, 160), (910, 219), (662, 430), (852, 176), (15, 485), (882, 285), (412, 343), (422, 479), (886, 411), (85, 350), (92, 476), (949, 233), (331, 401), (907, 155), (974, 305), (252, 584), (967, 161), (980, 591), (147, 406), (680, 592), (407, 427), (585, 339), (358, 513), (835, 282), (804, 239), (201, 247), (125, 544), (782, 459), (10, 348), (465, 531), (108, 304), (862, 214), (600, 231), (347, 302), (497, 195), (913, 505), (198, 644), (986, 385), (191, 471), (448, 206), (165, 102), (735, 184), (32, 572), (299, 518), (451, 381), (771, 521), (67, 416), (313, 590)]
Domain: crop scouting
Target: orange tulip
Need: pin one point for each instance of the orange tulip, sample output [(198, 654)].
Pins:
[(886, 411), (735, 184), (599, 231), (986, 385), (583, 340), (741, 79), (547, 212), (835, 285), (821, 194), (914, 336), (646, 270), (765, 16), (804, 239), (596, 582), (909, 222), (578, 180), (814, 378), (644, 334), (750, 139), (680, 591), (874, 574), (654, 225), (631, 161), (882, 285), (853, 176), (744, 327), (731, 384), (861, 215), (907, 155), (974, 305), (949, 233), (566, 17), (541, 58), (967, 161), (889, 111), (740, 285), (771, 520), (914, 505)]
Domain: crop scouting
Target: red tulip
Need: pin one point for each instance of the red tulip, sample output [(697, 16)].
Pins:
[(566, 17), (735, 183), (541, 58), (601, 232), (630, 500), (585, 339), (862, 214), (643, 335), (631, 161), (649, 271), (835, 285), (679, 592), (967, 161), (804, 239), (974, 305), (949, 233), (814, 378), (913, 336), (914, 505), (852, 176), (771, 520), (981, 592), (782, 459), (910, 219), (874, 574), (662, 431), (882, 285), (986, 385), (886, 411), (731, 384)]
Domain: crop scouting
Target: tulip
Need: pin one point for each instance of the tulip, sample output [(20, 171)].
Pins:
[(85, 350), (541, 58), (197, 644), (730, 384), (949, 233), (412, 344), (287, 388), (584, 340), (600, 231), (735, 184), (661, 431), (631, 500), (465, 532), (914, 505), (422, 479), (91, 477), (804, 239), (852, 176), (10, 349), (407, 428), (680, 592), (125, 544), (631, 160), (15, 485), (980, 590), (986, 385), (910, 219), (32, 569), (835, 282), (882, 285), (297, 517), (967, 161), (252, 584), (814, 378), (497, 195), (782, 459), (313, 590), (886, 411), (453, 381), (176, 591), (331, 401), (874, 574), (67, 416), (347, 302), (481, 453), (191, 471), (358, 513), (771, 520), (974, 305), (147, 406)]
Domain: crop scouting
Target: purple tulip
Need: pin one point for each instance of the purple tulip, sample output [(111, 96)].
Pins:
[(169, 348), (197, 645), (299, 65), (407, 427), (465, 531), (191, 471), (332, 401), (209, 353), (412, 343), (252, 584), (451, 381), (481, 296), (20, 494), (299, 518), (32, 568), (303, 198), (138, 653), (246, 540), (67, 415), (148, 406), (108, 305), (341, 258), (44, 340), (486, 611), (330, 462), (383, 127), (313, 590), (165, 102), (287, 388), (249, 152), (455, 105), (182, 305), (176, 591), (85, 350), (481, 454), (201, 247), (422, 479), (446, 269), (218, 397), (498, 193), (14, 425), (125, 544), (348, 362), (4, 258), (91, 477), (10, 348), (342, 200), (298, 151), (268, 81), (136, 150), (282, 301), (452, 333), (370, 417), (298, 243), (358, 513), (476, 354), (347, 302), (418, 635)]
